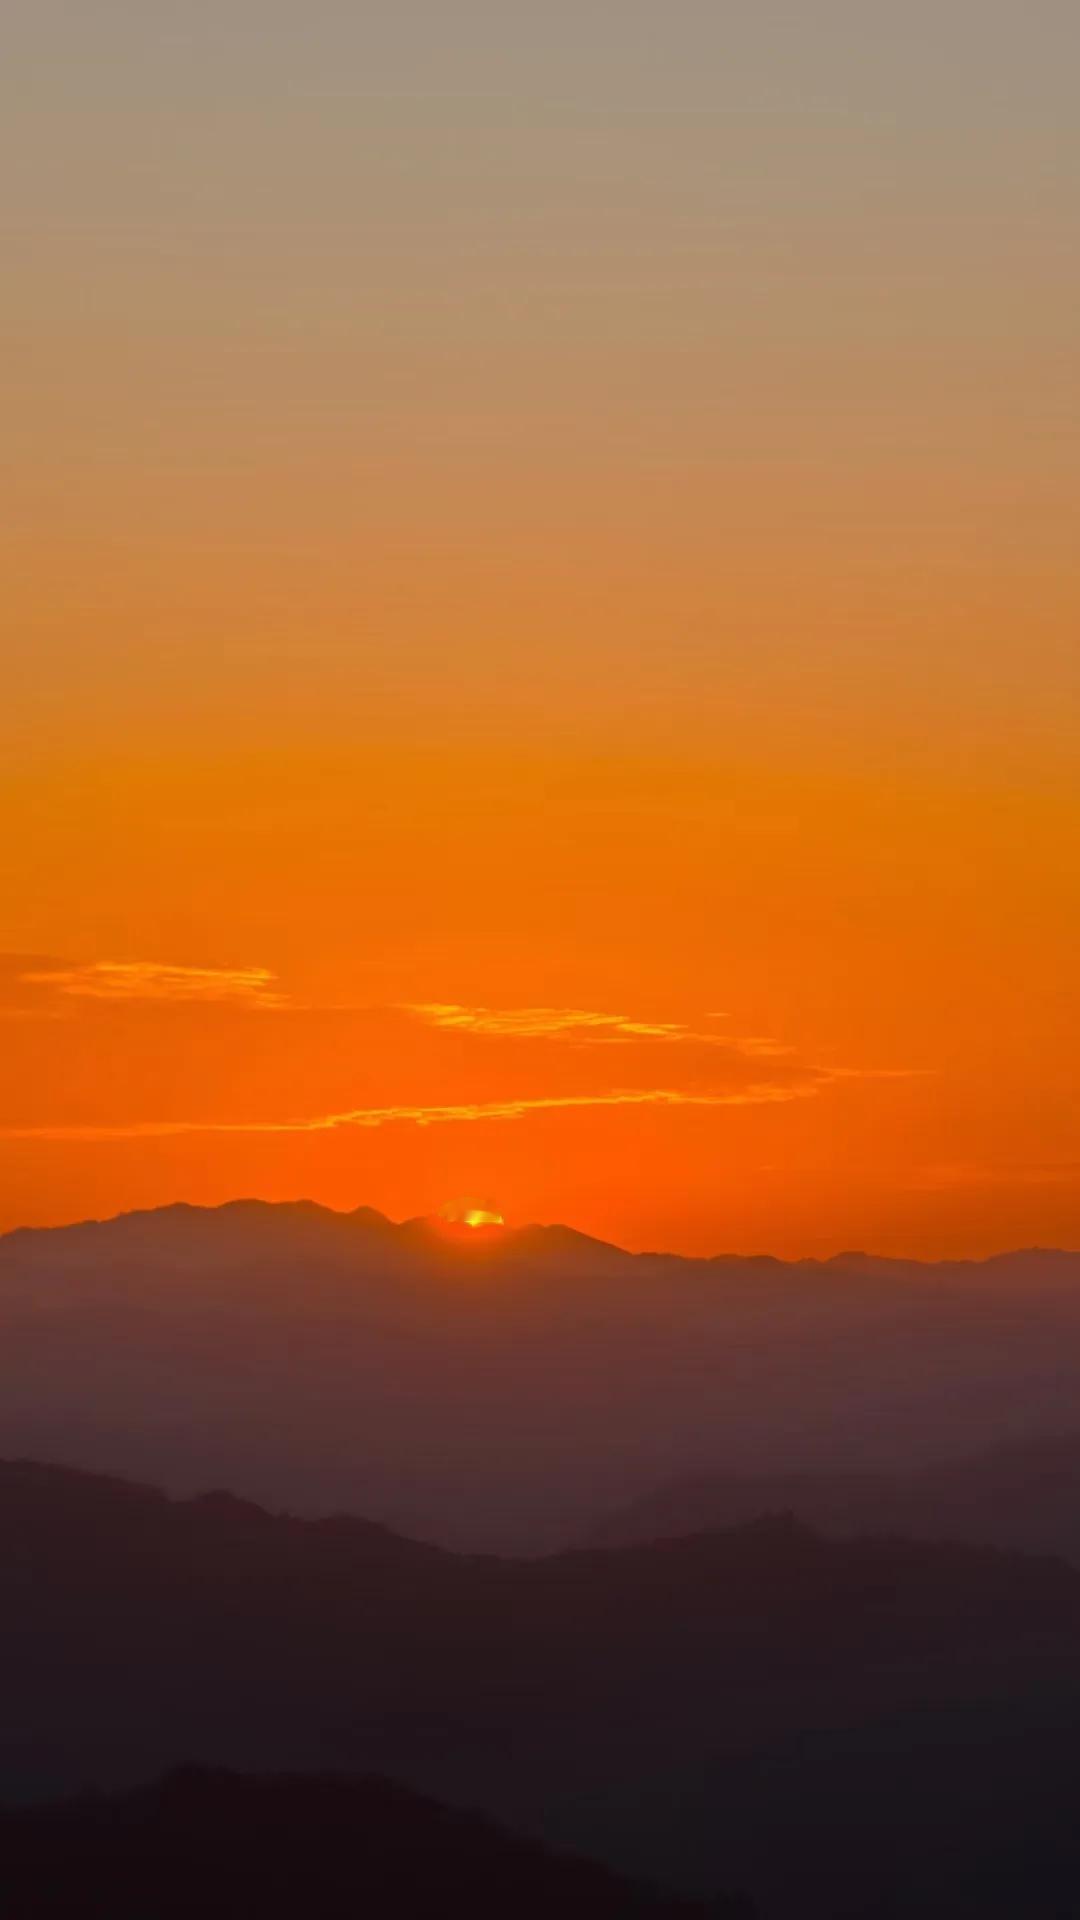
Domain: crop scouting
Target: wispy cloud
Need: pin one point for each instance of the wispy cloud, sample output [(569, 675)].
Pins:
[(956, 1175), (763, 1094), (126, 980), (539, 1023), (558, 1023)]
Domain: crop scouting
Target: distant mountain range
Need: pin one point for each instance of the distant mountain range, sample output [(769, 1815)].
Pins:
[(840, 1728), (299, 1847), (1025, 1496), (506, 1392)]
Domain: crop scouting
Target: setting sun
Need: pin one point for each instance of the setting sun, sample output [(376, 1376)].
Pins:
[(470, 1213)]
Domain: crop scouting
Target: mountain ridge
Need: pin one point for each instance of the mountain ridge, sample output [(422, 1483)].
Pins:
[(703, 1714), (219, 1843), (546, 1233), (1023, 1496), (343, 1361)]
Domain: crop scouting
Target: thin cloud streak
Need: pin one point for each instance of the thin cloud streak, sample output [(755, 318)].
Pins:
[(539, 1023), (575, 1023), (956, 1175), (766, 1094), (125, 980)]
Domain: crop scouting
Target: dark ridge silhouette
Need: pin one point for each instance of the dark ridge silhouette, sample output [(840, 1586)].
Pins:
[(501, 1392), (839, 1727), (224, 1845)]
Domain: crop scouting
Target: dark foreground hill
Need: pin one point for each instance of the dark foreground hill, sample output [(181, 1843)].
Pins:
[(842, 1728), (501, 1394), (225, 1846)]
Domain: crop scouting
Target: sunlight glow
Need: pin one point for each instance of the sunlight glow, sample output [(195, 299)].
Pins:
[(474, 1214)]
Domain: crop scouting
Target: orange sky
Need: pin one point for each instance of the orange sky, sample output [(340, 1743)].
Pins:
[(541, 650)]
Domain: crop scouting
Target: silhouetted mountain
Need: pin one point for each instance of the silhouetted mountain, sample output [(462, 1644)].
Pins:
[(824, 1723), (224, 1845), (500, 1393), (1025, 1496)]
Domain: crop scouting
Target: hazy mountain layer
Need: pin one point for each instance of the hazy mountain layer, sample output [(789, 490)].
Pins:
[(1025, 1496), (505, 1392)]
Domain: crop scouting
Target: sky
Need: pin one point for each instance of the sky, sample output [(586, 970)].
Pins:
[(540, 645)]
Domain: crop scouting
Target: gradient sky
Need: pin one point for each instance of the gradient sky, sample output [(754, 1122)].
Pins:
[(541, 645)]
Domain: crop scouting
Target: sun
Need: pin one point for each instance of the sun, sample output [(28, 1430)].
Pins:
[(472, 1214)]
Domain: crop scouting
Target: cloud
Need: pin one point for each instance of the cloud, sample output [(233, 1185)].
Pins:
[(576, 1023), (150, 980), (539, 1023), (956, 1175), (762, 1094), (729, 1071)]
